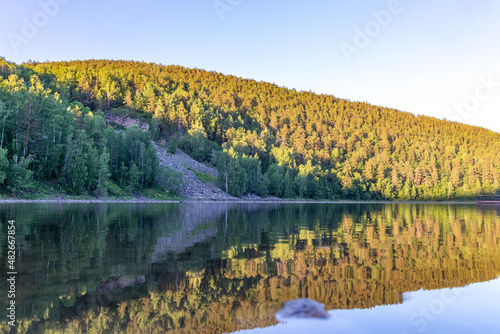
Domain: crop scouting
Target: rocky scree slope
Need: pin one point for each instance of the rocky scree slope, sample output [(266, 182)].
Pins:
[(193, 188)]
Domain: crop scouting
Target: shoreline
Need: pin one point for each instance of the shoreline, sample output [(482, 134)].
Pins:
[(239, 201)]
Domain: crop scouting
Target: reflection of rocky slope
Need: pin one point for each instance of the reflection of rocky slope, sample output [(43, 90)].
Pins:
[(194, 222), (117, 284)]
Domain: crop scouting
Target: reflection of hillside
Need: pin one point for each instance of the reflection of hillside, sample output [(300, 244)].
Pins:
[(360, 266), (190, 226), (193, 224), (248, 261)]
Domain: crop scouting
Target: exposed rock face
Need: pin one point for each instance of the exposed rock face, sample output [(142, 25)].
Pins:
[(126, 121), (194, 188)]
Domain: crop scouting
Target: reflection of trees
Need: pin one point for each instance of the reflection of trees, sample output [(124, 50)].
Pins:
[(343, 256), (368, 261)]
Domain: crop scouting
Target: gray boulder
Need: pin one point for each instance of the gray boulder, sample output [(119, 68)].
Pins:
[(301, 308)]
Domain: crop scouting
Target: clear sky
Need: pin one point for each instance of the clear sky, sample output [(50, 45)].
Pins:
[(439, 58)]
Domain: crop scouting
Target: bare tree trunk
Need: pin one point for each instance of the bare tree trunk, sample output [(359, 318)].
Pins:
[(225, 173)]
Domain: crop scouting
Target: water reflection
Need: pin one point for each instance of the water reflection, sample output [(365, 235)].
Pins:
[(212, 268)]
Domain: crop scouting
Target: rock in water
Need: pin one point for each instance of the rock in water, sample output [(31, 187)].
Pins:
[(301, 308)]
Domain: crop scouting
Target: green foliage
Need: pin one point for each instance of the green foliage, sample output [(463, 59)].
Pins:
[(154, 128), (4, 165), (45, 138), (158, 193), (133, 178), (173, 143), (20, 176), (79, 157), (197, 146), (116, 191), (170, 180), (232, 178), (202, 176)]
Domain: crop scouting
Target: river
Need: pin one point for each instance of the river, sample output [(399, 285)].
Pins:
[(227, 267)]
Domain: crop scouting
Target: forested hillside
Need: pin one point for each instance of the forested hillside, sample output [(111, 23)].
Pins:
[(45, 140), (264, 139)]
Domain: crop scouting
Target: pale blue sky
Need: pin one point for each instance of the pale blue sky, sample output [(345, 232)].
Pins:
[(439, 58)]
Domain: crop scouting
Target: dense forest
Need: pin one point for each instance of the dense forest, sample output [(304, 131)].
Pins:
[(263, 139), (47, 138)]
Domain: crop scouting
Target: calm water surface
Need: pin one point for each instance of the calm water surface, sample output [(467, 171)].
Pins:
[(221, 268)]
